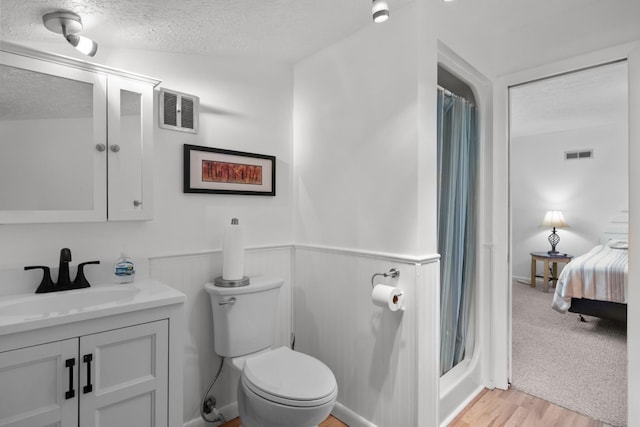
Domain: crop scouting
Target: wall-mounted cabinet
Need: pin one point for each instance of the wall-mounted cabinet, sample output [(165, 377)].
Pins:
[(77, 140)]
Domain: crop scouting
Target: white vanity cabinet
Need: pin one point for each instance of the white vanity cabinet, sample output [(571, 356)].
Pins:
[(76, 140), (104, 356), (114, 378)]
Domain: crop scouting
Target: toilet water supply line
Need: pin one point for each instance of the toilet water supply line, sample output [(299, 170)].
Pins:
[(207, 406)]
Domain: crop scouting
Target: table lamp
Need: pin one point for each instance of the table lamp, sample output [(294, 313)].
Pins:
[(554, 219)]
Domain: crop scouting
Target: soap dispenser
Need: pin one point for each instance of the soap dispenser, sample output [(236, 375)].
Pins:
[(124, 270)]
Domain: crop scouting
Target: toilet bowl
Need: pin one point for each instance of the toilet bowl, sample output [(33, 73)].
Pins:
[(284, 388)]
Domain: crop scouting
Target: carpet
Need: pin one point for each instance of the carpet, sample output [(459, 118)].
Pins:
[(577, 365)]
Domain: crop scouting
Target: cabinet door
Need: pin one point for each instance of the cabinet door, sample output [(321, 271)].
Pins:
[(52, 118), (130, 163), (124, 377), (38, 386)]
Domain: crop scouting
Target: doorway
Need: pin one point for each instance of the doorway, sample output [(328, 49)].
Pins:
[(568, 148)]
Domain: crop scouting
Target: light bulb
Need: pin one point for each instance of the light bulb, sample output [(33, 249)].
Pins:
[(380, 11), (83, 44)]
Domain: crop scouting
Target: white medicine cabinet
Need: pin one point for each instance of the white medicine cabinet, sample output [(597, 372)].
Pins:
[(76, 140)]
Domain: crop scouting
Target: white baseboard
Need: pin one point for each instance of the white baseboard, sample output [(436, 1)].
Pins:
[(349, 417)]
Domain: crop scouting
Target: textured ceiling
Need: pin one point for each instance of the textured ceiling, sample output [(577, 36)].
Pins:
[(506, 32), (588, 98), (286, 30)]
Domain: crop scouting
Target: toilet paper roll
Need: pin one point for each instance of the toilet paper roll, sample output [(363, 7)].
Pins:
[(388, 297), (233, 252)]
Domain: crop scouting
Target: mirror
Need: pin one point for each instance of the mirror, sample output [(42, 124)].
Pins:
[(47, 129)]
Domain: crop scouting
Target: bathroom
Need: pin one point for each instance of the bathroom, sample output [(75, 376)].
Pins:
[(352, 127)]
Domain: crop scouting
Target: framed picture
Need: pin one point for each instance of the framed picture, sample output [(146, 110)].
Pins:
[(217, 171)]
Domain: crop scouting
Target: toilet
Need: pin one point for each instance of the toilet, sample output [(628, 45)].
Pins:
[(277, 387)]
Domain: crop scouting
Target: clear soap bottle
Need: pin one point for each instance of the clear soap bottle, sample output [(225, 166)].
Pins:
[(124, 270)]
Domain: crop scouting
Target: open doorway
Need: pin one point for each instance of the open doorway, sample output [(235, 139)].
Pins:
[(568, 153)]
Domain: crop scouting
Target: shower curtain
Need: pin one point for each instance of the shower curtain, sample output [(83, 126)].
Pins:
[(457, 165)]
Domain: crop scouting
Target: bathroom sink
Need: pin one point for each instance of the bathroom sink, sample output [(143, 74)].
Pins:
[(57, 303)]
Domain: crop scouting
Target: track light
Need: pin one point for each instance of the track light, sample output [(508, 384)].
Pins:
[(380, 11), (69, 24)]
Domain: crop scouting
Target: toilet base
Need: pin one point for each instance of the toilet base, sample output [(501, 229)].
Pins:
[(258, 412)]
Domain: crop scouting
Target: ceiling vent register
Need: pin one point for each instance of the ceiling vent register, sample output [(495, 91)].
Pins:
[(578, 155), (178, 111)]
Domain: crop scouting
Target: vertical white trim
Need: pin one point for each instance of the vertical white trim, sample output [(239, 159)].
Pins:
[(427, 336), (633, 297), (500, 306)]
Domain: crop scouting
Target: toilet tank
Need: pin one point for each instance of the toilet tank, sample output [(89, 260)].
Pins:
[(244, 318)]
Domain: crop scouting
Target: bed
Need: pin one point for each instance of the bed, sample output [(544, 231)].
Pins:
[(595, 283)]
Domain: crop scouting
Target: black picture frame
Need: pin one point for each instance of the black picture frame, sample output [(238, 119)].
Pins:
[(219, 171)]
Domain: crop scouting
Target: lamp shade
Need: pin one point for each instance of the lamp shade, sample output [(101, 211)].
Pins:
[(554, 219)]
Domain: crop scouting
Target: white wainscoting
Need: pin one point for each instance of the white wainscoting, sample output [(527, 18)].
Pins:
[(386, 363), (188, 273)]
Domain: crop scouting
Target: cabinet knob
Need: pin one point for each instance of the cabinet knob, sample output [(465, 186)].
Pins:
[(101, 147), (137, 203), (115, 148)]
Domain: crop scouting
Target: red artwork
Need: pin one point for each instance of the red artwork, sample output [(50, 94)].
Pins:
[(233, 173)]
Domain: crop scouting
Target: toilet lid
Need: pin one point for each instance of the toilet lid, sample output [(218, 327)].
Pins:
[(290, 378)]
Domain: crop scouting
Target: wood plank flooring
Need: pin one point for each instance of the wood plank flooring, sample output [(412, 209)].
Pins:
[(329, 422), (513, 408), (501, 408)]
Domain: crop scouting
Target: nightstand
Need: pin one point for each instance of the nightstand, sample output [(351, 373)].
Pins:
[(547, 258)]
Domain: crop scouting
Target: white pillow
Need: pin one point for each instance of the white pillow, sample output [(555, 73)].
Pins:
[(618, 243)]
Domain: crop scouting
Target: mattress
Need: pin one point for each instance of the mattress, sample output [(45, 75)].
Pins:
[(600, 274)]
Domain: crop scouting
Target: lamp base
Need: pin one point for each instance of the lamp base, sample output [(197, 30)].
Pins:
[(554, 239)]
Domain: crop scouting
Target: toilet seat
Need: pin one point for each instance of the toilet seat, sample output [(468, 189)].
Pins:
[(289, 378)]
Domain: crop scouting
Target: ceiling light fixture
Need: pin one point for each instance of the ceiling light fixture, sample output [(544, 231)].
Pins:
[(380, 11), (69, 24)]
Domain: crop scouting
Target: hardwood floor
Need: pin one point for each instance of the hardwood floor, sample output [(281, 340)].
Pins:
[(329, 422), (511, 408), (500, 408)]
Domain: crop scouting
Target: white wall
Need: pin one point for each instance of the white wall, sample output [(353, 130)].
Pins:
[(364, 202), (589, 192), (355, 133)]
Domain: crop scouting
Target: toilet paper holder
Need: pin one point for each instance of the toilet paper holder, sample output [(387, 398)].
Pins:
[(393, 273)]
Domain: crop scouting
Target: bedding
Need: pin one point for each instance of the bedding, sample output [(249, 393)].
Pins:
[(600, 274)]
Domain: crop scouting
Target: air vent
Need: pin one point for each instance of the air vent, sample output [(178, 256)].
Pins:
[(178, 111), (578, 155)]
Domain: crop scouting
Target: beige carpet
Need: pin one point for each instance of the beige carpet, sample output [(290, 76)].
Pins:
[(576, 365)]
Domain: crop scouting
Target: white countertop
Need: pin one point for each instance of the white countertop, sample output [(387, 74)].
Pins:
[(25, 312)]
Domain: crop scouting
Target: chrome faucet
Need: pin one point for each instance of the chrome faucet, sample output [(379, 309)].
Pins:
[(64, 280)]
